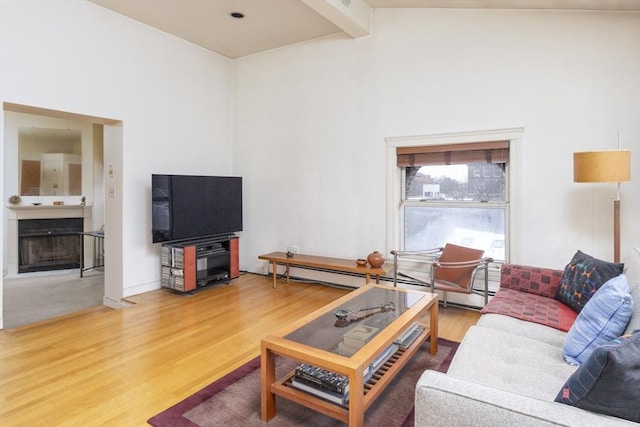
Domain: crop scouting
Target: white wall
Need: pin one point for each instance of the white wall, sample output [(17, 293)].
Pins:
[(310, 122), (172, 98)]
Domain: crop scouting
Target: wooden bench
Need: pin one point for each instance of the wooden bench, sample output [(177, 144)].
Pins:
[(326, 263)]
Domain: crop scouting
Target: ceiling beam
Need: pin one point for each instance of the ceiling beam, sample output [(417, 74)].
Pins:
[(39, 111), (351, 16)]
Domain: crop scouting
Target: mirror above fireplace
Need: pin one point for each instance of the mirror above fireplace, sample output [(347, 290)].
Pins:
[(49, 161)]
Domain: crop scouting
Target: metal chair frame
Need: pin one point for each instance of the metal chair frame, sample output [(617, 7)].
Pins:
[(433, 255)]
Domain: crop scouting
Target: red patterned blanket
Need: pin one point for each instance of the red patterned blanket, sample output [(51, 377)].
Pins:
[(527, 293), (533, 308)]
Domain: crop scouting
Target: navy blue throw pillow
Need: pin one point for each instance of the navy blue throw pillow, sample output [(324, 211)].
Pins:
[(608, 382), (582, 277)]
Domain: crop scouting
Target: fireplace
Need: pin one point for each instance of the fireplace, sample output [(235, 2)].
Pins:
[(19, 213), (49, 244)]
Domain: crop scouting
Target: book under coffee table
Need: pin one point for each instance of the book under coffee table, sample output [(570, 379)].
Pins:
[(346, 337)]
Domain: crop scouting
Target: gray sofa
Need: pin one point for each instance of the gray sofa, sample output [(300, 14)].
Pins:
[(508, 372)]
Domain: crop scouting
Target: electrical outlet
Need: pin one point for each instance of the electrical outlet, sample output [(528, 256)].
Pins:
[(295, 250)]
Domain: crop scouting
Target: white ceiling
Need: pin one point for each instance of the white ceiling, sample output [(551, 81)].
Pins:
[(628, 5), (269, 24)]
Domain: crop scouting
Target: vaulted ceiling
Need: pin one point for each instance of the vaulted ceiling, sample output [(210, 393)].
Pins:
[(269, 24)]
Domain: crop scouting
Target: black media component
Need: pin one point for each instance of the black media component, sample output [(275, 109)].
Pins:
[(192, 206), (189, 264), (212, 263)]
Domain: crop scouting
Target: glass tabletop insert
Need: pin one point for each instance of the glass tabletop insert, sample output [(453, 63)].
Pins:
[(345, 330)]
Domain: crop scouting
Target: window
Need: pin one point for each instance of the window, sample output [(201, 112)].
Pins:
[(467, 185), (468, 211), (454, 188)]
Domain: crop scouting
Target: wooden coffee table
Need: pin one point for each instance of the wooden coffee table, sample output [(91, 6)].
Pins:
[(316, 338)]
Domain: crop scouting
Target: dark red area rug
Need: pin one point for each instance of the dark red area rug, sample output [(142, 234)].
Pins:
[(234, 400)]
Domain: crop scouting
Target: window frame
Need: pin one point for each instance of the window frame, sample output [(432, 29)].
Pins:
[(395, 183)]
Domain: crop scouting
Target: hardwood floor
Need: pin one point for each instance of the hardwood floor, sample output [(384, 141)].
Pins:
[(120, 367)]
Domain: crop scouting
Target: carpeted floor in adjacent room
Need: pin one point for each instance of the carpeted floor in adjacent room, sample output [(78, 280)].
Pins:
[(34, 298)]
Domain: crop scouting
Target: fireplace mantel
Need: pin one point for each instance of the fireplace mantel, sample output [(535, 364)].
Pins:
[(48, 211), (18, 212)]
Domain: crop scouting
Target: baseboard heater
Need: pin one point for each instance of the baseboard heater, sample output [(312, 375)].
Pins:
[(388, 279)]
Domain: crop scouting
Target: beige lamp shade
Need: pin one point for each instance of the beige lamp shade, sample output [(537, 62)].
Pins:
[(602, 166)]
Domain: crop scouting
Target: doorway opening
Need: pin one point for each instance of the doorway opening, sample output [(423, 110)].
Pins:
[(86, 191)]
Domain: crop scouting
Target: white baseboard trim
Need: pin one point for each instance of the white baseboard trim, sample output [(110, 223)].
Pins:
[(140, 289)]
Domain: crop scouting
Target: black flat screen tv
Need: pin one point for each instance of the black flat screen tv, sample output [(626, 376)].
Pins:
[(192, 206)]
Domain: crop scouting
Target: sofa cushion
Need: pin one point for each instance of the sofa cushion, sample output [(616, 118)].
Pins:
[(534, 331), (632, 271), (602, 319), (534, 280), (444, 401), (609, 381), (510, 362), (582, 277), (533, 308)]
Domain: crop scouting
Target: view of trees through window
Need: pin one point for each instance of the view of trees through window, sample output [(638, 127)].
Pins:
[(463, 204), (475, 181)]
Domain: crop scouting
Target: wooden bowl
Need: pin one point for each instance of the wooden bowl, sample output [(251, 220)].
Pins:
[(361, 262)]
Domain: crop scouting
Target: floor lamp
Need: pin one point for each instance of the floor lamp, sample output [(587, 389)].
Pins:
[(605, 166)]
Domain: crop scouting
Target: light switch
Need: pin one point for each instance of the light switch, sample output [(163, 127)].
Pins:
[(112, 191)]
